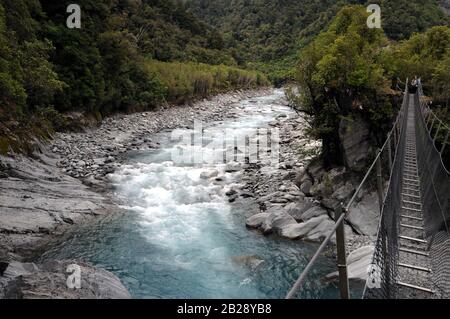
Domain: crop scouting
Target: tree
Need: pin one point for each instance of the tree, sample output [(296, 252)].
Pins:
[(339, 76)]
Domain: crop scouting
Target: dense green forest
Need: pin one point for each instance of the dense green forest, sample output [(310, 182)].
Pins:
[(106, 66), (267, 34), (132, 55)]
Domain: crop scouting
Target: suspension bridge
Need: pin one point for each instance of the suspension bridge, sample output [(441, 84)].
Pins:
[(412, 249)]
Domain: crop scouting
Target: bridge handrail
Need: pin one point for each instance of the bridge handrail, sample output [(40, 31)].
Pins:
[(399, 121)]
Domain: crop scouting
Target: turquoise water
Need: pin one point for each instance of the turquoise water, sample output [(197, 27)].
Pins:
[(178, 236)]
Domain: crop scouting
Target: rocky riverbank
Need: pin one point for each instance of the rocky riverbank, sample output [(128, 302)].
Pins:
[(93, 155), (64, 185), (297, 201)]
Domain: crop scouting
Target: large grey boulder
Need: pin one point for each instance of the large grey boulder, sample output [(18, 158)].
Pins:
[(358, 263), (257, 220), (298, 231), (315, 229), (365, 215), (296, 209), (276, 220), (50, 281), (322, 230), (314, 211), (344, 193)]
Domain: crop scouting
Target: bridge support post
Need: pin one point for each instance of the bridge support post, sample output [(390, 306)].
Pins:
[(342, 255), (380, 182)]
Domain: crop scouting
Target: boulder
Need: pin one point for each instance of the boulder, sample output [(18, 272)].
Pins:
[(276, 220), (302, 230), (344, 193), (365, 215), (322, 230), (297, 209), (314, 211), (358, 263), (330, 203), (257, 220), (49, 281)]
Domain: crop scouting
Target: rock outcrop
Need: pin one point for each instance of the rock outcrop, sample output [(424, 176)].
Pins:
[(50, 281), (358, 263), (364, 216), (354, 135)]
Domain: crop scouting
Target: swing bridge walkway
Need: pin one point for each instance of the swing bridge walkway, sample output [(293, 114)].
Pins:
[(412, 250)]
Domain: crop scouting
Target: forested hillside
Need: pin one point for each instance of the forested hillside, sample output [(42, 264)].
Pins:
[(268, 33), (346, 75), (106, 66)]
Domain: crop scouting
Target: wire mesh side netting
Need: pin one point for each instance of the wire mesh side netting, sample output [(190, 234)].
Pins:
[(381, 283), (435, 188)]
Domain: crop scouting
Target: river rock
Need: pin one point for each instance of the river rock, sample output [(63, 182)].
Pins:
[(358, 263), (49, 281), (330, 203), (365, 215), (322, 230), (252, 261), (314, 211), (298, 231), (296, 209), (344, 193), (276, 220), (257, 220)]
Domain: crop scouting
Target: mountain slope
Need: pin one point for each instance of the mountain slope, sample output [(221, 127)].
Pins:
[(264, 31)]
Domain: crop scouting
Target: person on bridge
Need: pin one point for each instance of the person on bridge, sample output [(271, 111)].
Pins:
[(414, 85)]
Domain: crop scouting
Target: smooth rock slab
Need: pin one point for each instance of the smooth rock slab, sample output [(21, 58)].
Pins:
[(314, 211), (276, 221), (365, 215), (358, 263), (257, 220), (298, 231), (297, 209), (49, 281)]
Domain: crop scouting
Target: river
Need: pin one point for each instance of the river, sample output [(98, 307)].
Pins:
[(179, 237)]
